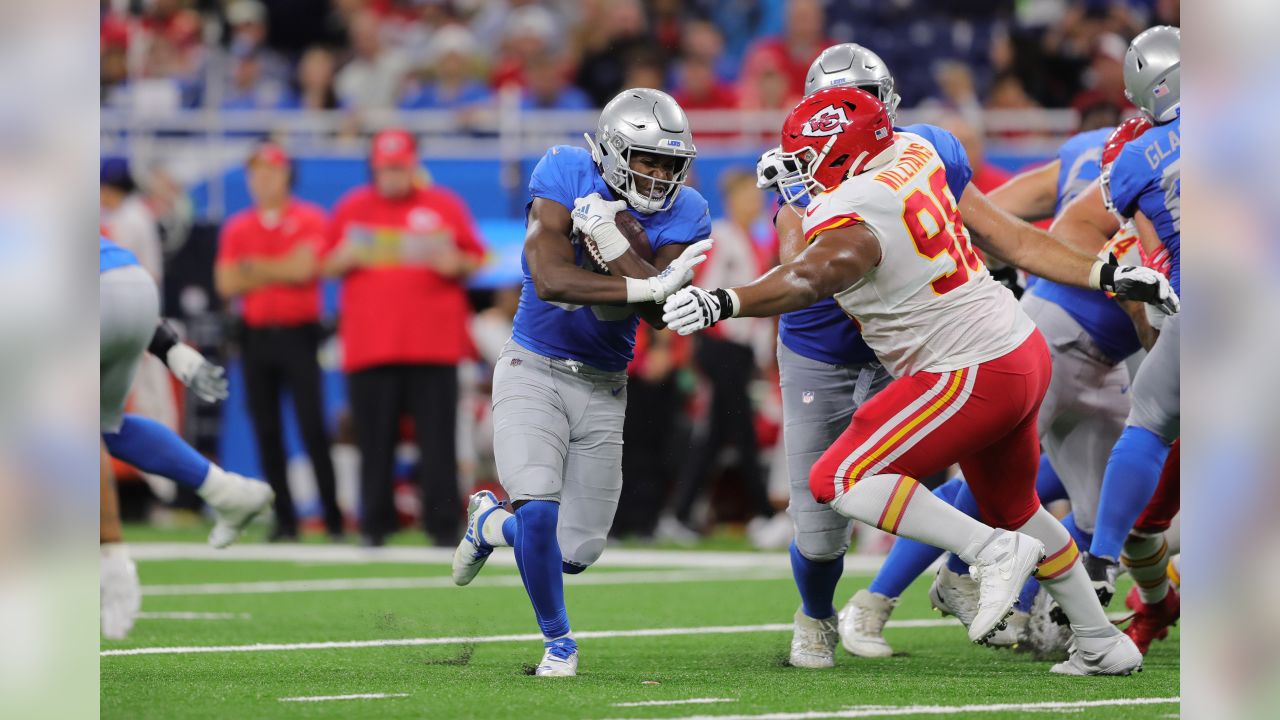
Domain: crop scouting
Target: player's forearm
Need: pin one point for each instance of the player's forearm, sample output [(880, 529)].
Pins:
[(557, 281), (1085, 224), (1030, 195), (786, 288), (1022, 245)]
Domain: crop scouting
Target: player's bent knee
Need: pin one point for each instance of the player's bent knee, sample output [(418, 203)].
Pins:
[(569, 568), (822, 547), (580, 554)]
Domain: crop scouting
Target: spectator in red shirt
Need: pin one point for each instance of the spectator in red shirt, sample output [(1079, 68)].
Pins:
[(700, 89), (269, 261), (403, 251), (791, 53)]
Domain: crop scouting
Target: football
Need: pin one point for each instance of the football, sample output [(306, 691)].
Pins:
[(635, 234)]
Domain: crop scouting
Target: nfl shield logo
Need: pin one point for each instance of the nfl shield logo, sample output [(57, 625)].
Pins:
[(806, 397), (515, 362)]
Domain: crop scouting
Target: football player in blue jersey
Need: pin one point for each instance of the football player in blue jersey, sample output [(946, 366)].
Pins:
[(559, 386), (129, 326), (1142, 185), (822, 358)]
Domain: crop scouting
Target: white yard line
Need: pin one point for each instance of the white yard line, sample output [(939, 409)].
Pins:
[(421, 583), (361, 696), (870, 711), (614, 557), (193, 616), (530, 637), (690, 701)]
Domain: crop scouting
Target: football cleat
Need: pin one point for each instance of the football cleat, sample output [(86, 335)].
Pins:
[(1046, 637), (237, 502), (560, 659), (1152, 622), (1102, 573), (1114, 655), (862, 624), (1000, 569), (472, 550), (813, 642), (954, 594), (1014, 631)]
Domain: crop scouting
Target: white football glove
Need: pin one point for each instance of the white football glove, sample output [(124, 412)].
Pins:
[(693, 309), (1130, 282), (675, 276), (204, 378), (768, 168), (121, 595), (593, 216)]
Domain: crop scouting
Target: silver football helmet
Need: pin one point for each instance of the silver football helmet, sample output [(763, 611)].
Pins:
[(648, 121), (852, 64), (1152, 73)]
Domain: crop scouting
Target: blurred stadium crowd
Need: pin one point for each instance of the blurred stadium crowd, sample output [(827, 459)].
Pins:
[(703, 417), (362, 55)]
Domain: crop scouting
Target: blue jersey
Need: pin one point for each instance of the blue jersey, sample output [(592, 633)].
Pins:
[(112, 256), (600, 336), (823, 331), (1080, 163), (1145, 178)]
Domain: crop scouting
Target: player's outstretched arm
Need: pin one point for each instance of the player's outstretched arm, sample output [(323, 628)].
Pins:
[(1037, 252), (837, 259), (557, 278), (1085, 223), (207, 380), (1030, 195)]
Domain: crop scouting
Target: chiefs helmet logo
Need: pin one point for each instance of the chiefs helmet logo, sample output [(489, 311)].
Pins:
[(827, 121)]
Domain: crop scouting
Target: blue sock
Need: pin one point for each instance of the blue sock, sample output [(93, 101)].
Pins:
[(510, 528), (538, 557), (1028, 595), (1082, 538), (908, 559), (1131, 478), (816, 580), (154, 448), (1048, 485), (966, 503)]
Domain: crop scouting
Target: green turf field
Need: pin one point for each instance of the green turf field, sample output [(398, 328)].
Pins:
[(440, 657)]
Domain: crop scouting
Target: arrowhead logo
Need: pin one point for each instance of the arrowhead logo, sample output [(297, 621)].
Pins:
[(827, 121)]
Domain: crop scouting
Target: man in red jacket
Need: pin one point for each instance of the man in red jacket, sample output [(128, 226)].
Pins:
[(403, 251)]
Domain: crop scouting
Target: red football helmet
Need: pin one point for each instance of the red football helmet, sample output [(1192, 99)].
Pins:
[(831, 135), (1128, 130)]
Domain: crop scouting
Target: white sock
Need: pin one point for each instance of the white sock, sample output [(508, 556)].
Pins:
[(220, 487), (1065, 578), (897, 504), (1147, 557), (491, 530)]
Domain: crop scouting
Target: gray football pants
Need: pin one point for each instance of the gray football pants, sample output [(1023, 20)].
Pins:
[(557, 435), (817, 402), (1084, 409), (129, 308), (1157, 388)]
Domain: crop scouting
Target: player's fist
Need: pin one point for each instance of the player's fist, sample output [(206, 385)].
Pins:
[(594, 218), (769, 168), (693, 309), (206, 380), (121, 596), (1129, 282)]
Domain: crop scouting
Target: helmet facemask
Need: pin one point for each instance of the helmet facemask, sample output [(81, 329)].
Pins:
[(628, 183), (801, 165)]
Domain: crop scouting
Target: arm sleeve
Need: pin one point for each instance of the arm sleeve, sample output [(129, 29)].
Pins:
[(555, 175), (1126, 180)]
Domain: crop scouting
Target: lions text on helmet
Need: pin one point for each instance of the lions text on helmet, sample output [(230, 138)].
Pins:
[(644, 148)]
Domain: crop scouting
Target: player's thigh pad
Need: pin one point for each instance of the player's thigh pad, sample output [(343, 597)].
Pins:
[(530, 426), (593, 470), (818, 400), (1157, 389), (129, 309)]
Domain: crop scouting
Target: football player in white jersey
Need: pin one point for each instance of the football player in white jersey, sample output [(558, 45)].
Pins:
[(885, 239)]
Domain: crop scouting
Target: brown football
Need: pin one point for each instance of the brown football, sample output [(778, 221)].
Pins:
[(634, 232)]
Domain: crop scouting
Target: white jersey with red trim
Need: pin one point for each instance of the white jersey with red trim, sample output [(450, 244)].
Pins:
[(929, 304)]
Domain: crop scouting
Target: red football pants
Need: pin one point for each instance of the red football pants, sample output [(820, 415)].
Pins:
[(1158, 515), (983, 417)]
